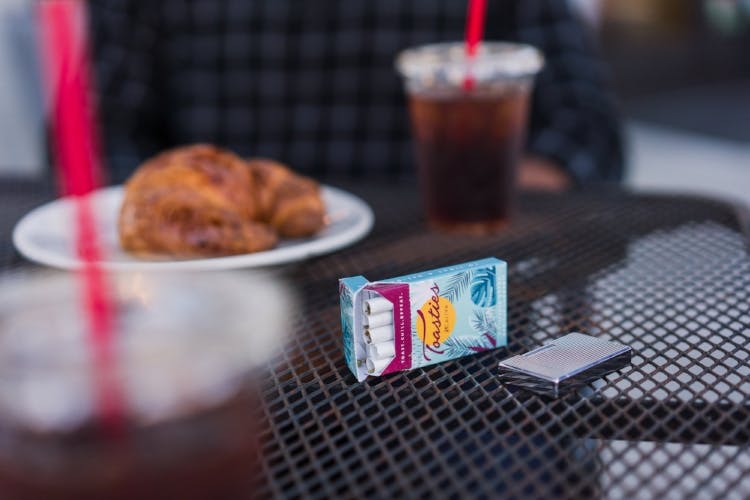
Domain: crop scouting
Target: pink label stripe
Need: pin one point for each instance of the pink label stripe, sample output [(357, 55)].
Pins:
[(398, 295)]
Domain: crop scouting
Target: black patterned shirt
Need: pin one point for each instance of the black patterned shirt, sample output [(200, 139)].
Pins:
[(313, 84)]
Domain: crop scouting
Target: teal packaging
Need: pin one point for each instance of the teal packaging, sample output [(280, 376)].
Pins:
[(424, 318)]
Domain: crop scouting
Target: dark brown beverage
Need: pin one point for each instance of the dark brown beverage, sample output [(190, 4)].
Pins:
[(468, 115), (190, 357), (468, 147), (210, 454)]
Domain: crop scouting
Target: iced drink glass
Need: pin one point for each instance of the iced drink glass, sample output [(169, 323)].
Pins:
[(188, 354), (468, 138)]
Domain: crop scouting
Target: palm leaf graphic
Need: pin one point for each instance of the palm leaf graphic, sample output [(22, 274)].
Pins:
[(457, 285), (462, 346), (483, 321), (346, 298), (483, 291)]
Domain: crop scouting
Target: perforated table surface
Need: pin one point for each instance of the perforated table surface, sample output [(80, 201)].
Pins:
[(668, 276)]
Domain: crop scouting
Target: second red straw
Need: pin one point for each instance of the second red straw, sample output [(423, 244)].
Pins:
[(77, 157), (475, 20)]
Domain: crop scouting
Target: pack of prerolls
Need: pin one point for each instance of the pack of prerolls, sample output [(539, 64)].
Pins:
[(424, 318)]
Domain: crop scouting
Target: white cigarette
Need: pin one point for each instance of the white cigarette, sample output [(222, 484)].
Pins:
[(376, 320), (376, 366), (377, 305), (381, 350), (379, 334)]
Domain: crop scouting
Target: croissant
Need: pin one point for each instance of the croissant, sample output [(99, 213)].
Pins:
[(290, 203), (203, 201), (190, 202)]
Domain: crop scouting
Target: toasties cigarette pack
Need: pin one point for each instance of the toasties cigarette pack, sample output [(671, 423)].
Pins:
[(424, 318)]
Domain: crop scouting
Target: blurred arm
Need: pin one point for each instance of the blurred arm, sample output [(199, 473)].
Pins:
[(538, 173), (125, 38), (574, 127)]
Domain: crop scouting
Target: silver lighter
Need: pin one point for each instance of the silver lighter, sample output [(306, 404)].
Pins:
[(564, 364)]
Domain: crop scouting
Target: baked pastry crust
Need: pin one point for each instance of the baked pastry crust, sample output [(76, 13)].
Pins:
[(192, 201), (290, 203)]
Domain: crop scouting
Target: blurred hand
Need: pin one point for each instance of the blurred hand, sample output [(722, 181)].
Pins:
[(542, 175)]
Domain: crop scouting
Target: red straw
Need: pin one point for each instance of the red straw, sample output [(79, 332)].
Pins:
[(476, 13), (64, 46)]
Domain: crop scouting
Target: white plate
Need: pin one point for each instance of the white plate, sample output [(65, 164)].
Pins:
[(45, 235)]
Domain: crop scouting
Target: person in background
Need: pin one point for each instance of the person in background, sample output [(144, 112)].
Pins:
[(313, 84)]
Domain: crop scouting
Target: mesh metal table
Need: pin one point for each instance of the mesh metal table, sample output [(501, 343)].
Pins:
[(669, 276)]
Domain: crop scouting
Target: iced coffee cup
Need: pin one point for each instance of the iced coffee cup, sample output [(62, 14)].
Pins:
[(469, 137), (188, 356)]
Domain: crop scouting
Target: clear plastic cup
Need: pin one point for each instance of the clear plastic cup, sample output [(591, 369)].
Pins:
[(468, 141), (189, 351)]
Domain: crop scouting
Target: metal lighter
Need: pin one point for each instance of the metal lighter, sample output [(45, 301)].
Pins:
[(564, 364)]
